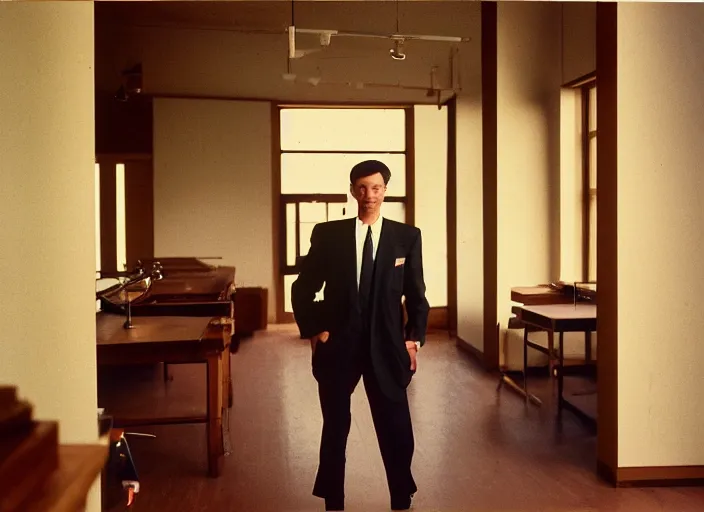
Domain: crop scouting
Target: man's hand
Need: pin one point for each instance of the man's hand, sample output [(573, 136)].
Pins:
[(413, 352), (320, 337)]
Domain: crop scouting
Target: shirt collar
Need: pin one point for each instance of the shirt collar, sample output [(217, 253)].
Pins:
[(376, 226)]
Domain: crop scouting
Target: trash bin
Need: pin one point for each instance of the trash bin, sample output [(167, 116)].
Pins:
[(251, 310)]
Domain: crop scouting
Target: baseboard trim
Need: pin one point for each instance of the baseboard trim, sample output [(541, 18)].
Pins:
[(661, 476), (655, 476), (473, 351)]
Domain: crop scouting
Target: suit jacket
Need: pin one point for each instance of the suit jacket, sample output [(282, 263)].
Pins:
[(332, 262)]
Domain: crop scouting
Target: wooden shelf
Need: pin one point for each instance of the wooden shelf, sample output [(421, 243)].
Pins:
[(67, 487)]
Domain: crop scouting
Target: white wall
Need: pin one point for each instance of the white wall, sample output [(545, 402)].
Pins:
[(579, 39), (431, 197), (528, 116), (212, 185), (47, 253), (660, 114), (46, 206), (470, 241)]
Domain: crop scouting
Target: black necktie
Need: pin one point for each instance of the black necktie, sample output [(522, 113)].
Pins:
[(367, 274)]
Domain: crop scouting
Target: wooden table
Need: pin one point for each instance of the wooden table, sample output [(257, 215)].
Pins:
[(178, 339), (557, 318), (541, 294)]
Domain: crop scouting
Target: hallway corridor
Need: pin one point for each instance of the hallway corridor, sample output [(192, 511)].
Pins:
[(474, 451)]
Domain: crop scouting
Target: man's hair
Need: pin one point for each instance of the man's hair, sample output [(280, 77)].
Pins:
[(368, 168)]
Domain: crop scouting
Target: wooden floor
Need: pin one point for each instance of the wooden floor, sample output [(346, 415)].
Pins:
[(475, 450)]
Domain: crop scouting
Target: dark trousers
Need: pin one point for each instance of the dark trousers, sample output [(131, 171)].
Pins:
[(392, 422)]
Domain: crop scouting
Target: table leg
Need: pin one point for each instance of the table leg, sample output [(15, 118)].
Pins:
[(551, 352), (525, 362), (227, 378), (588, 346), (560, 378), (214, 424)]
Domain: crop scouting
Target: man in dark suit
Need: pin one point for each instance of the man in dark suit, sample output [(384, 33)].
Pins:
[(366, 264)]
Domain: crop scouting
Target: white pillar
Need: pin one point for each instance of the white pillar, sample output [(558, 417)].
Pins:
[(47, 228), (660, 219)]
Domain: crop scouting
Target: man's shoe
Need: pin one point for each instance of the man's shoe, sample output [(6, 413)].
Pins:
[(334, 504), (402, 503)]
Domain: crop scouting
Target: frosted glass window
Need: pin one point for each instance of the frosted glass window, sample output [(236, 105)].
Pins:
[(592, 163), (592, 238), (120, 218), (313, 212), (343, 129), (97, 228), (304, 242), (290, 234), (329, 173), (394, 211), (97, 218), (288, 281), (339, 211), (592, 184), (310, 215)]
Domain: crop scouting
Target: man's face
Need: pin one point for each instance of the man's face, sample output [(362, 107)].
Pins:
[(369, 192)]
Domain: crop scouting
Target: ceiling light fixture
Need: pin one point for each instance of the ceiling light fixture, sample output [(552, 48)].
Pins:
[(397, 51)]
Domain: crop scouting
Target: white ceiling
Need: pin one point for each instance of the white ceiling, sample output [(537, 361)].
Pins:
[(368, 15), (239, 48)]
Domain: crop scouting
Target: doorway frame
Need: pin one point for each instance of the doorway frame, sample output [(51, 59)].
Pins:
[(278, 199)]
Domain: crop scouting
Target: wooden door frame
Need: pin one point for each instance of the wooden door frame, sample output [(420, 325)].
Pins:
[(278, 213)]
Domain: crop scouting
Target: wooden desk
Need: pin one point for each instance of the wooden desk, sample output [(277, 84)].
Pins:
[(557, 318), (177, 339), (541, 294)]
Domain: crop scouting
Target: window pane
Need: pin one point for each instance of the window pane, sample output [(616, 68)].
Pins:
[(120, 217), (592, 238), (592, 109), (338, 211), (394, 211), (313, 212), (290, 234), (97, 219), (304, 242), (345, 129), (288, 281), (592, 163), (329, 173)]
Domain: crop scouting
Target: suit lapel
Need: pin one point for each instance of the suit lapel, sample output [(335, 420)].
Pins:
[(348, 251), (384, 256)]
